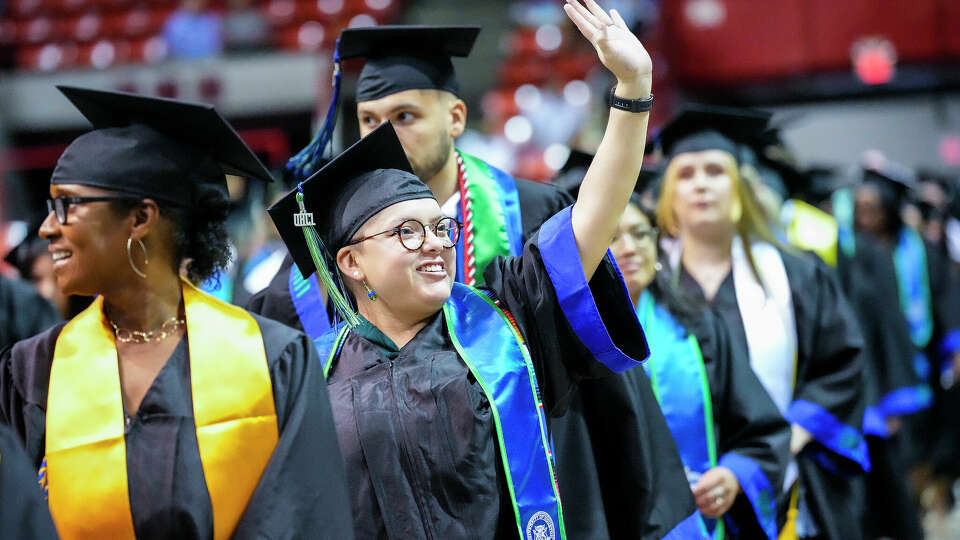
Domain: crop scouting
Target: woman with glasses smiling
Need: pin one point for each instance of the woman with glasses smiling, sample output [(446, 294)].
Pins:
[(732, 440), (159, 411), (441, 392)]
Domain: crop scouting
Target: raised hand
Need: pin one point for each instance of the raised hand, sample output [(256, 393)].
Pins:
[(619, 50)]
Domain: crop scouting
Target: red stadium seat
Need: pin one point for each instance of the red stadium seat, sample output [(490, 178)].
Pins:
[(36, 30), (85, 28), (149, 50), (8, 31)]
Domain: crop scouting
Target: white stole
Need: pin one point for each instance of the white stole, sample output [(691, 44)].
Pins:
[(768, 321)]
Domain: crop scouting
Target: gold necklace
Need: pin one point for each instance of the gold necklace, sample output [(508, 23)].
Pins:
[(169, 327)]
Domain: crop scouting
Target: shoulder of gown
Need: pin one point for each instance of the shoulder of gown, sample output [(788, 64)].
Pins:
[(274, 301), (538, 203), (23, 311), (25, 373)]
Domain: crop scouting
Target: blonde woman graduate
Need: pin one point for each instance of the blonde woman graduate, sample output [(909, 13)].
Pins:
[(784, 307)]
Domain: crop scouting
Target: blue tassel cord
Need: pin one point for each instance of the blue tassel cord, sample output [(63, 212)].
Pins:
[(306, 161)]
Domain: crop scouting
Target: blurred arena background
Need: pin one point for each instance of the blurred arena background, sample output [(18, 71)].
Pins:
[(843, 77)]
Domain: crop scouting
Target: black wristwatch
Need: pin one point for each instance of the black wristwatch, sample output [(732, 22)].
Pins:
[(629, 105)]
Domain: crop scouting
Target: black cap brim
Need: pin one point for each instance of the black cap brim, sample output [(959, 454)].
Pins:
[(381, 149), (736, 125), (377, 41), (195, 125)]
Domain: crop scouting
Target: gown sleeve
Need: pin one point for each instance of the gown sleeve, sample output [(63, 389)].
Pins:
[(302, 493), (574, 329), (23, 508), (828, 397), (892, 387), (754, 438)]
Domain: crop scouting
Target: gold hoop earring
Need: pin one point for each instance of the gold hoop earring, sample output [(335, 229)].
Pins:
[(130, 257)]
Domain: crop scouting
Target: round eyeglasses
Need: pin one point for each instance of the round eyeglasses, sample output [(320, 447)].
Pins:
[(412, 233)]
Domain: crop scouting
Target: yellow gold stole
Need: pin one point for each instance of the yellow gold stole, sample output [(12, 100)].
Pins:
[(232, 406)]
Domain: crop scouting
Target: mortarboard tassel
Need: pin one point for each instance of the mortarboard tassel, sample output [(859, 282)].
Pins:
[(325, 275), (303, 164)]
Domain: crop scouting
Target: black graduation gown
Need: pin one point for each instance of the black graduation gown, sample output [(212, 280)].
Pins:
[(945, 296), (23, 509), (302, 492), (829, 374), (747, 422), (417, 434), (23, 312), (869, 281)]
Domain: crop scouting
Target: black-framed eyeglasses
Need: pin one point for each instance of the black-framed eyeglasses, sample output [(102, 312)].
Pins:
[(60, 205), (412, 233)]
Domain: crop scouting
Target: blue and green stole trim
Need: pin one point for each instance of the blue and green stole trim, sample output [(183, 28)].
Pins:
[(910, 260), (497, 227), (307, 297), (679, 378), (679, 381), (496, 354)]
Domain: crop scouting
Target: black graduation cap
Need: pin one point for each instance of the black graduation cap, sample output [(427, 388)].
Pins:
[(403, 58), (651, 179), (398, 58), (699, 127), (25, 253), (153, 147), (821, 181), (366, 178), (570, 176), (893, 178)]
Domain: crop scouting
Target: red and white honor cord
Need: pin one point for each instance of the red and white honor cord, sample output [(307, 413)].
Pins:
[(466, 210)]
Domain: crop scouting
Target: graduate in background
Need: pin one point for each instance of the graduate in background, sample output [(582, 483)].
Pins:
[(892, 390), (440, 390), (23, 508), (733, 440), (409, 79), (786, 309), (159, 411), (35, 264), (23, 312), (929, 298)]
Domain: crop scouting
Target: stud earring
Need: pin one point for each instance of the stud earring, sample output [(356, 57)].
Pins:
[(657, 266), (370, 294)]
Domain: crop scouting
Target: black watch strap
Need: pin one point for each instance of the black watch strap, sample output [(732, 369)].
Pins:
[(629, 105)]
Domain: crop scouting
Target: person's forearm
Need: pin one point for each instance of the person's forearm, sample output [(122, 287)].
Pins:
[(611, 177)]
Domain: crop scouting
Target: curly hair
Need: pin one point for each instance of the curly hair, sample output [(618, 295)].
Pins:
[(199, 233)]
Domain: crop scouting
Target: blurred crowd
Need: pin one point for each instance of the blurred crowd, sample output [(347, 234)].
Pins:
[(814, 306)]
